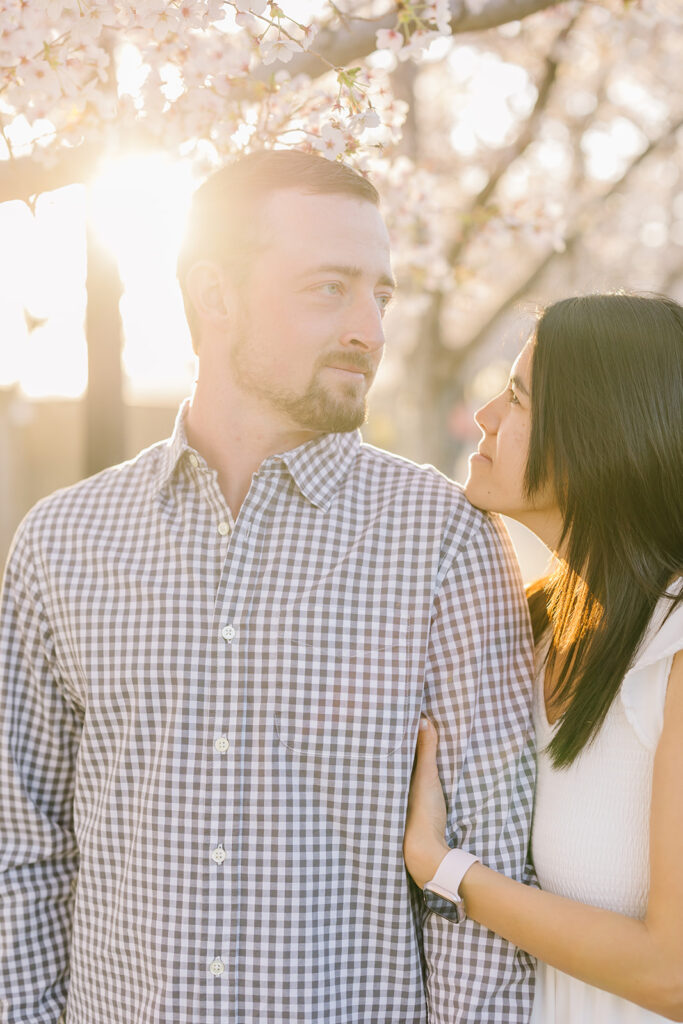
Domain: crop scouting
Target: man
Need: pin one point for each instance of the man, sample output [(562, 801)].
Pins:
[(215, 658)]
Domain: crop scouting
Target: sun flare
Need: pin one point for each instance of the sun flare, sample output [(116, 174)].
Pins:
[(137, 207)]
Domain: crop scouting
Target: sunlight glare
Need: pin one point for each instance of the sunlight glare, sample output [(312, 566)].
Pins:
[(22, 136), (131, 72), (42, 263), (609, 147), (53, 366), (493, 96), (138, 207), (138, 192)]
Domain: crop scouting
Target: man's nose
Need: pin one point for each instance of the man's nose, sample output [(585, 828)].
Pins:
[(365, 329)]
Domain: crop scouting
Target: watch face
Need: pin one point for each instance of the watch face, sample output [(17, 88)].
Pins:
[(454, 912)]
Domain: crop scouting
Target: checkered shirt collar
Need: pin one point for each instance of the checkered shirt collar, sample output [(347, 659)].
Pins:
[(317, 467)]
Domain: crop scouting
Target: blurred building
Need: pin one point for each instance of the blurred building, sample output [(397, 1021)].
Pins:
[(42, 448)]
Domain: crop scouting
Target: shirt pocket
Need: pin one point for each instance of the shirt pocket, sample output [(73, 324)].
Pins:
[(343, 700)]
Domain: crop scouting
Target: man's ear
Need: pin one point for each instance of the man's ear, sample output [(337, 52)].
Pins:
[(206, 289)]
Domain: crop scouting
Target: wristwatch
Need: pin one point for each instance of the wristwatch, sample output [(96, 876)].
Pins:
[(441, 894)]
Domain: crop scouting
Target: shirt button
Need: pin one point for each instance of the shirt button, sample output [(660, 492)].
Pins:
[(228, 633), (222, 744), (218, 855), (217, 967), (194, 461), (224, 529)]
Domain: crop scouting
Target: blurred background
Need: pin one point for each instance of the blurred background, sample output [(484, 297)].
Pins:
[(546, 158)]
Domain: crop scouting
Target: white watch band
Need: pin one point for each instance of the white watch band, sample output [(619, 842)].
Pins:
[(450, 873)]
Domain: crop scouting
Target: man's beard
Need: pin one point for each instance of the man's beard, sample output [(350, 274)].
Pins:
[(317, 408)]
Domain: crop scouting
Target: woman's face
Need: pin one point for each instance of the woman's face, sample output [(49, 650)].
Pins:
[(496, 475)]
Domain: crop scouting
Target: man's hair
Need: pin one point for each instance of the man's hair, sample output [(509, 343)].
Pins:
[(223, 224)]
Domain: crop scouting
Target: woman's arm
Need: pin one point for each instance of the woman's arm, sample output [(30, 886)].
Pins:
[(641, 961)]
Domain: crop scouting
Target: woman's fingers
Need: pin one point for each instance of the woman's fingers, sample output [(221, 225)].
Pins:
[(427, 801), (427, 741), (425, 771), (424, 844)]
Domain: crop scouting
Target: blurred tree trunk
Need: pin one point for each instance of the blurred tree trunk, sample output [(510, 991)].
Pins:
[(104, 416), (431, 443), (439, 366)]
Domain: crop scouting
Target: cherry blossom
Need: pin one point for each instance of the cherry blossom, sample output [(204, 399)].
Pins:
[(331, 142), (251, 6), (59, 63), (389, 39), (278, 49)]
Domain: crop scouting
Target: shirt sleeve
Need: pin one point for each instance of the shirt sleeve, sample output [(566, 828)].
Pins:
[(39, 737), (478, 694)]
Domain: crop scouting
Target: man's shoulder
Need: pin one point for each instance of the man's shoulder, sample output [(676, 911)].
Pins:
[(424, 484), (392, 466), (102, 496)]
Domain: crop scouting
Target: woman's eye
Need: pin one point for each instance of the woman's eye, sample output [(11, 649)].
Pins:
[(383, 301), (512, 396)]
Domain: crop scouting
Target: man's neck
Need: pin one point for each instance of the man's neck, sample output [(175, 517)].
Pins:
[(235, 435)]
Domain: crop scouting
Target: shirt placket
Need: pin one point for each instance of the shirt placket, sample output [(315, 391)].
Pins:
[(230, 667)]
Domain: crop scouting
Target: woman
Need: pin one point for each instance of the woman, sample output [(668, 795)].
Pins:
[(585, 447)]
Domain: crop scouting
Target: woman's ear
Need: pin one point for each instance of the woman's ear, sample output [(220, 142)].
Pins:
[(206, 289)]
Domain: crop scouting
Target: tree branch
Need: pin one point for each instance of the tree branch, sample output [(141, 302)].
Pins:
[(521, 143), (24, 177), (440, 362), (453, 360), (357, 40)]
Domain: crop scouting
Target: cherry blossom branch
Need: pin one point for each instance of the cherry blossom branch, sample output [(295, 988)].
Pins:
[(453, 361), (359, 40)]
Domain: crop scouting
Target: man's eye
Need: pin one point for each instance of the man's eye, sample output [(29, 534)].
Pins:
[(329, 288), (383, 301)]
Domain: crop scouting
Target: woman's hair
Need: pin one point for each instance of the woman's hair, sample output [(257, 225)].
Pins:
[(607, 434)]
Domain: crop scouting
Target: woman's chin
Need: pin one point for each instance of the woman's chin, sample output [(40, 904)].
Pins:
[(475, 496)]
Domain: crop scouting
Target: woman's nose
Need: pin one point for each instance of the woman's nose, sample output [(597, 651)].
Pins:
[(486, 417)]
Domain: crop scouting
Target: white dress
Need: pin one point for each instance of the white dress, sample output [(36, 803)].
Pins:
[(590, 836)]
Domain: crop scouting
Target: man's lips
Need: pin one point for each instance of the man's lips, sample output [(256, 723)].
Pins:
[(348, 369), (352, 362), (354, 369)]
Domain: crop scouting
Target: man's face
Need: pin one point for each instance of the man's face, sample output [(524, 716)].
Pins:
[(307, 338)]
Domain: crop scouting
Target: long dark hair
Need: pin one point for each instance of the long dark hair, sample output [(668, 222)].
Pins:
[(607, 434)]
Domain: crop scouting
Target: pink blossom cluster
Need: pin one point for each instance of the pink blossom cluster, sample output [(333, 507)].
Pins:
[(418, 25), (212, 78), (212, 70)]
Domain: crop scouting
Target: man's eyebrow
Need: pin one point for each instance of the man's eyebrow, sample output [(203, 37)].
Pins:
[(346, 270), (518, 383)]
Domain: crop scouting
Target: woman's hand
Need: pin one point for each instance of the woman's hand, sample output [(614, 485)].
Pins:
[(424, 845)]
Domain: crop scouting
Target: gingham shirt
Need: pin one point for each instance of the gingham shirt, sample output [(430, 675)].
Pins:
[(207, 737)]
